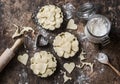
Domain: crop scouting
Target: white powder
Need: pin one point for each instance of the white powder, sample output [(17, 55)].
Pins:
[(23, 77), (82, 79), (98, 26), (103, 58)]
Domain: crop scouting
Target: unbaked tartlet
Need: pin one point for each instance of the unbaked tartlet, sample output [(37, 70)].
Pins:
[(65, 45), (50, 17)]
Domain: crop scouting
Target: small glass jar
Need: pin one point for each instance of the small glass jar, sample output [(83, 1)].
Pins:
[(86, 10), (98, 26)]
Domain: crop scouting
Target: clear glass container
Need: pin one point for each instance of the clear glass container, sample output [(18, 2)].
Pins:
[(98, 26), (86, 10)]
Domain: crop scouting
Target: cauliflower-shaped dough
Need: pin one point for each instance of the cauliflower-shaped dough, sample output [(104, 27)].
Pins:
[(43, 64), (65, 45), (50, 17)]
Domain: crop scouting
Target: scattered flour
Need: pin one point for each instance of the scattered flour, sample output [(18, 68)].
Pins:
[(23, 77)]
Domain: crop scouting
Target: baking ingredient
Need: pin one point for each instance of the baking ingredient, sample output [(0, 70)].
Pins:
[(23, 77), (23, 58), (83, 63), (86, 64), (83, 79), (43, 64), (69, 67), (98, 26), (19, 32), (103, 58), (82, 55), (71, 24), (66, 78), (65, 45), (50, 17)]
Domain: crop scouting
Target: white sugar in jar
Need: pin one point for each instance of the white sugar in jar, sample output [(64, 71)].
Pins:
[(97, 29)]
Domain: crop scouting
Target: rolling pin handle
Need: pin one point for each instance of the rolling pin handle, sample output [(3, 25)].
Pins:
[(8, 54)]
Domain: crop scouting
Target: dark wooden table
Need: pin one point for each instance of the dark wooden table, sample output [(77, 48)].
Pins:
[(20, 12)]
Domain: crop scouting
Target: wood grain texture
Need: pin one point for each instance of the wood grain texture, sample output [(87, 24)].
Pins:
[(19, 12)]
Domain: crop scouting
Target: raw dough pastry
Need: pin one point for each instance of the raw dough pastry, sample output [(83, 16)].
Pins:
[(23, 58), (50, 17), (82, 58), (82, 55), (71, 25), (66, 78), (69, 66), (19, 32), (65, 45), (86, 64), (43, 64)]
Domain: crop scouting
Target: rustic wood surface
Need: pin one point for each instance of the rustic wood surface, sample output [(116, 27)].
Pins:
[(19, 12)]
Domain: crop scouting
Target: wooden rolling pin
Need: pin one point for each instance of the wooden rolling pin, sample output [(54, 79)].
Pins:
[(9, 53)]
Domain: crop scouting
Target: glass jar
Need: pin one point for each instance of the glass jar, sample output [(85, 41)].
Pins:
[(98, 26), (86, 10)]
